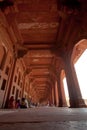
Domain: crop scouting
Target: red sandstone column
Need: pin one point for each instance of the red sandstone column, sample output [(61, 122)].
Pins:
[(23, 86), (61, 93), (50, 98), (10, 82), (53, 99), (56, 94), (73, 86)]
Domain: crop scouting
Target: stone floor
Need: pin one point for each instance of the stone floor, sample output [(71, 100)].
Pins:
[(44, 118)]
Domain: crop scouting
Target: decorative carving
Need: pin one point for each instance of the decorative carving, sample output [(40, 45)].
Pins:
[(38, 25)]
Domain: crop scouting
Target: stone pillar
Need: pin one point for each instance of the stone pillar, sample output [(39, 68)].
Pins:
[(61, 93), (60, 100), (26, 72), (56, 94), (54, 90), (53, 99), (73, 86), (24, 76), (10, 82), (50, 98)]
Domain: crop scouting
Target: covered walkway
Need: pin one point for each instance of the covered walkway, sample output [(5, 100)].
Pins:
[(40, 43), (44, 118)]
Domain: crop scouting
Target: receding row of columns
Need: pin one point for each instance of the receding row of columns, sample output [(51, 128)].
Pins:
[(58, 94)]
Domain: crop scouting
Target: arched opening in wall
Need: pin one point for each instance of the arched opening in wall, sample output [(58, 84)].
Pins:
[(79, 58), (66, 91), (65, 87)]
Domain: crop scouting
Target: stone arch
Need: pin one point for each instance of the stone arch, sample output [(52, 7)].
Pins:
[(78, 49), (76, 99)]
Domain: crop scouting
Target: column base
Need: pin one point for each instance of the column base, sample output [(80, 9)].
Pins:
[(63, 105), (77, 103)]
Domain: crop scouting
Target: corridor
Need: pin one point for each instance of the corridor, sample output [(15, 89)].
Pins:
[(44, 118), (38, 51)]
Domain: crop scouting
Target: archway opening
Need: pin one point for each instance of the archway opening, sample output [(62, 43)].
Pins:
[(81, 71), (65, 87), (79, 59), (66, 91)]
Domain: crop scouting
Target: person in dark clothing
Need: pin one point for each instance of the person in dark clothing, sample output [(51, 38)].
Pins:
[(23, 103)]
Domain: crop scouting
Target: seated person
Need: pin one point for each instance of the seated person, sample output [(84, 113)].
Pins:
[(11, 103), (23, 103)]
